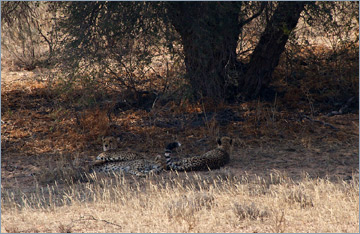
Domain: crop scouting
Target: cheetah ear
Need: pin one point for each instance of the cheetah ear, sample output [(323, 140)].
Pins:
[(102, 138), (218, 140)]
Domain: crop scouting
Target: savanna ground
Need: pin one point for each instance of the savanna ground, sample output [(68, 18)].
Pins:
[(294, 167)]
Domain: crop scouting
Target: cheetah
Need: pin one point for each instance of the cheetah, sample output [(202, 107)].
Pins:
[(212, 159), (112, 153), (138, 167)]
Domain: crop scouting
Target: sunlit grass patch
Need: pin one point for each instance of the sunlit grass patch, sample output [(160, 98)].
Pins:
[(185, 204)]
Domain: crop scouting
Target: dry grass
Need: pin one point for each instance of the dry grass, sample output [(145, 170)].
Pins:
[(187, 204)]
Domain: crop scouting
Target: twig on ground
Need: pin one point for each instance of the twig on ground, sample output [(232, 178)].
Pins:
[(319, 121), (92, 218), (342, 109)]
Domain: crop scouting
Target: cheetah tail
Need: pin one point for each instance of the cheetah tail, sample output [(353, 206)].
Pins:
[(168, 150)]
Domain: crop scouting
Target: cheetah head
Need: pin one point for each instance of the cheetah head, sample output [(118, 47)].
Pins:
[(110, 142), (225, 143), (160, 161)]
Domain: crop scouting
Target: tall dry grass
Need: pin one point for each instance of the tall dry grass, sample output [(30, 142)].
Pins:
[(187, 203)]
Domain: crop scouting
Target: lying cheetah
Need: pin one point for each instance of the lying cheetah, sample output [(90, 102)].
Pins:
[(139, 167), (212, 159), (112, 153)]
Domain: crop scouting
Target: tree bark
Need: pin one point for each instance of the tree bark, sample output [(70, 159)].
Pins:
[(267, 53), (209, 33)]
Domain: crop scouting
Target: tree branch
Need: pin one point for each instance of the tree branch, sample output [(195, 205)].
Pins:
[(262, 7), (267, 52)]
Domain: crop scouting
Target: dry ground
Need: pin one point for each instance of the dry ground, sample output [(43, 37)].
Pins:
[(287, 173)]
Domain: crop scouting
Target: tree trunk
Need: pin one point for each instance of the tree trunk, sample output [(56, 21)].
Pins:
[(209, 33), (267, 53)]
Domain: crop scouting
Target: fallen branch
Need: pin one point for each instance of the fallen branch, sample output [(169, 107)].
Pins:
[(319, 121), (342, 109), (92, 218)]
